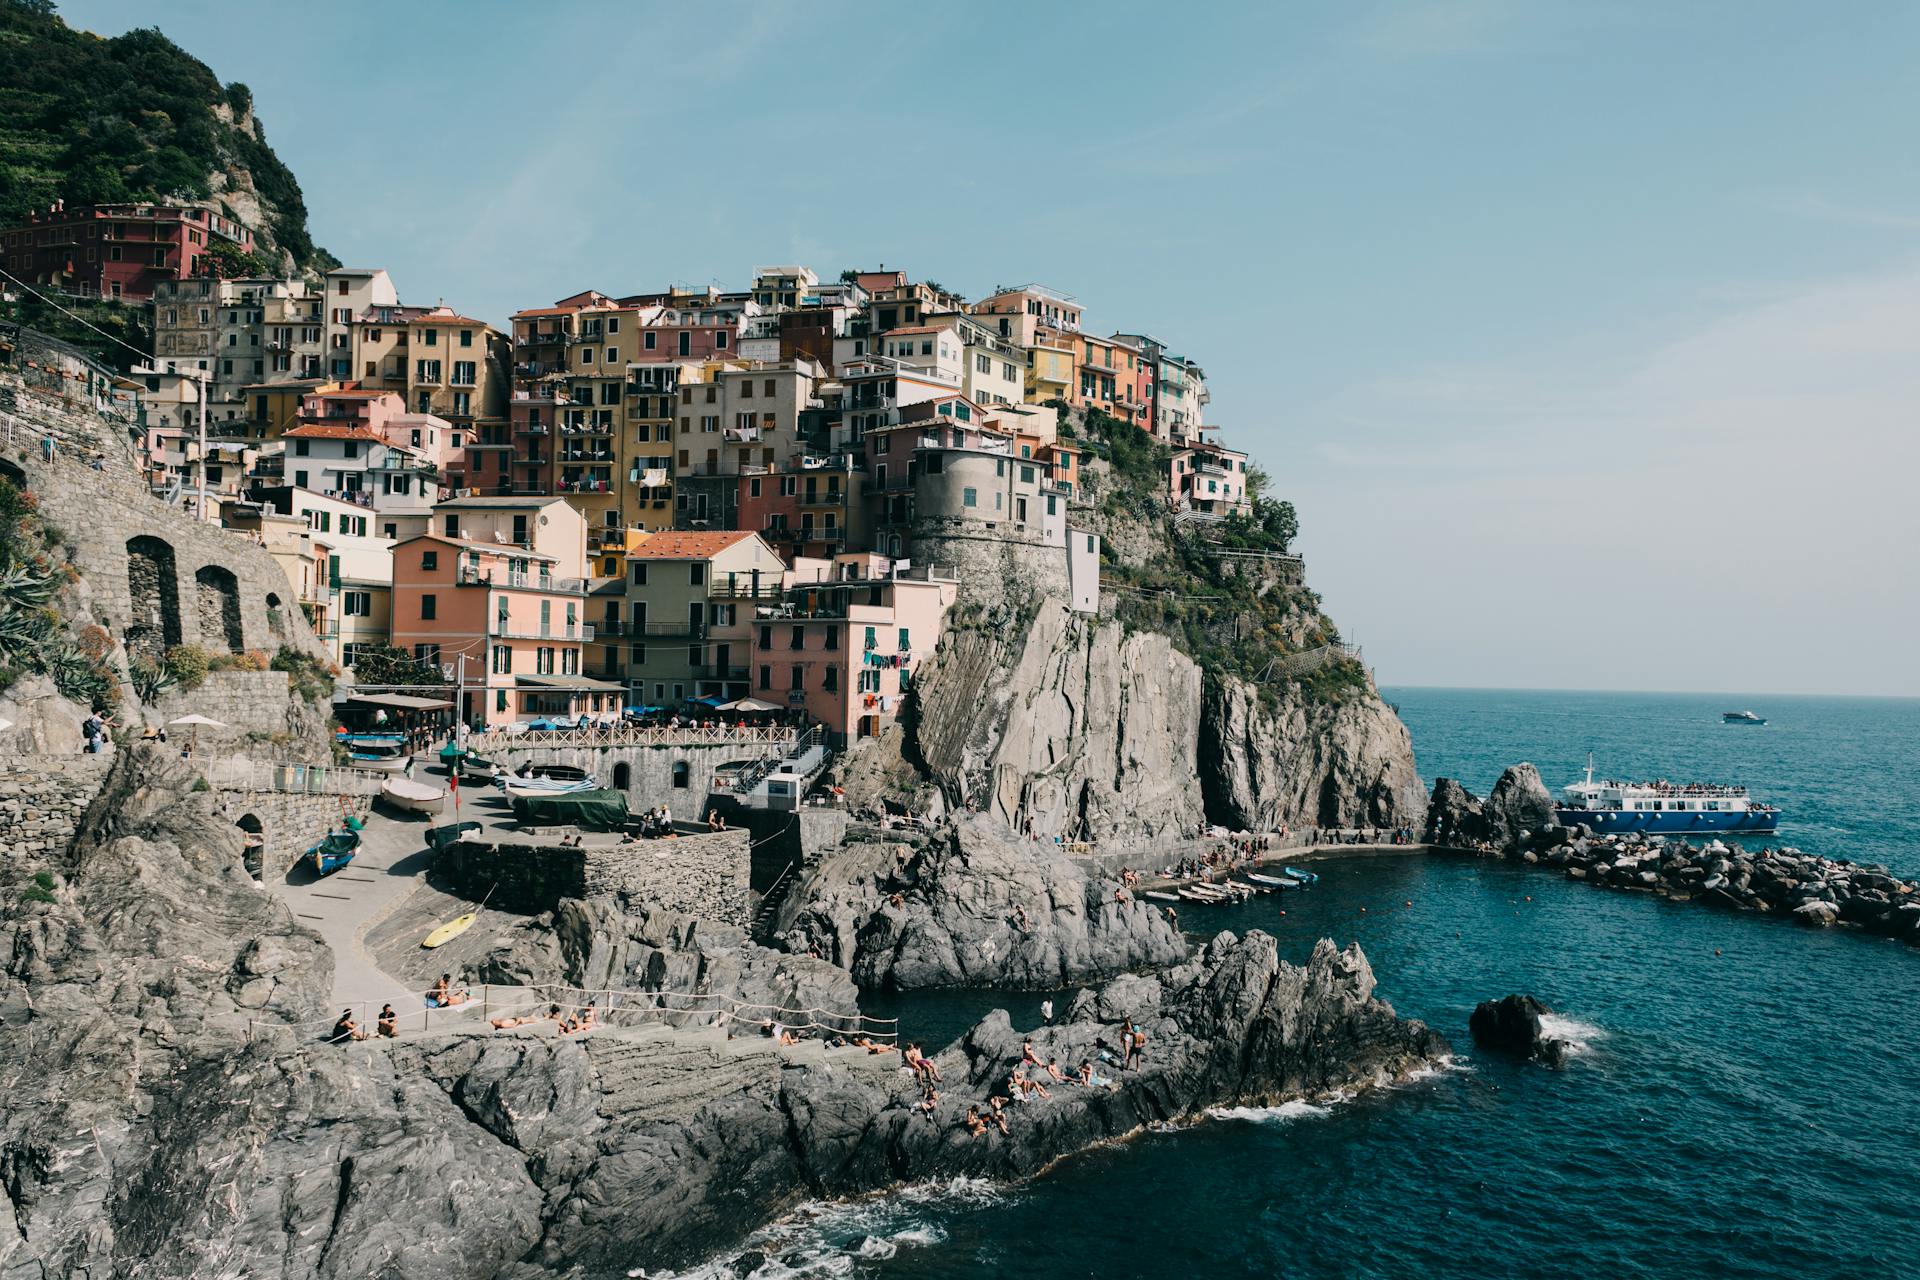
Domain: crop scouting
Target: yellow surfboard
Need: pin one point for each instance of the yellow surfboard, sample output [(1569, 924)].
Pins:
[(450, 930)]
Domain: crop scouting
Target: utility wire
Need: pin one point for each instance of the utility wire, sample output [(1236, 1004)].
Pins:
[(71, 315)]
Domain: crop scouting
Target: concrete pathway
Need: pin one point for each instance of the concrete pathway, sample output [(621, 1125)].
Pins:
[(391, 862)]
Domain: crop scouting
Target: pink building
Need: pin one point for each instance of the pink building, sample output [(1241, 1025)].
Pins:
[(350, 406), (851, 634), (508, 629)]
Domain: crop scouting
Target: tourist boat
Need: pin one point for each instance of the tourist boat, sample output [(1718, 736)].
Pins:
[(414, 797), (334, 851), (1741, 717), (1273, 882), (1664, 808), (1301, 877)]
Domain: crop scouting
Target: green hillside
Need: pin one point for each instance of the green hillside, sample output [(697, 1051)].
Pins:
[(134, 117)]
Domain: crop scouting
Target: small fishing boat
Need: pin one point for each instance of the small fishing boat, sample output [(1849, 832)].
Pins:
[(1302, 877), (479, 767), (1741, 717), (384, 751), (1273, 882), (1192, 894), (439, 838), (334, 851), (520, 787), (414, 797), (1158, 896)]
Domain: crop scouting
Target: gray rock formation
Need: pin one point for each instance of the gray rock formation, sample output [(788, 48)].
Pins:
[(1513, 1024), (1082, 728), (619, 941), (1454, 816), (973, 906), (1519, 804), (1303, 763)]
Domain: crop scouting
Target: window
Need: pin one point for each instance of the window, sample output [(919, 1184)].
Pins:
[(969, 497), (766, 677), (433, 337), (797, 677), (720, 340), (686, 343), (463, 373), (873, 641), (906, 640), (302, 448), (466, 337), (682, 774), (429, 560), (697, 574), (357, 604), (649, 340), (639, 577), (831, 683), (502, 659), (798, 640), (429, 653), (429, 607)]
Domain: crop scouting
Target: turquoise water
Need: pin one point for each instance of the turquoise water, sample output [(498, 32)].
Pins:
[(1744, 1106)]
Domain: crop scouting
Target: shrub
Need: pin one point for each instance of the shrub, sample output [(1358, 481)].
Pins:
[(35, 893), (306, 675), (188, 664), (44, 879), (149, 680)]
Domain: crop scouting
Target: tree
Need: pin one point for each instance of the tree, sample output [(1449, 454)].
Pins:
[(386, 665)]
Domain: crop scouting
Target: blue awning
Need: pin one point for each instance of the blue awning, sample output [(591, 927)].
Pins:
[(708, 700)]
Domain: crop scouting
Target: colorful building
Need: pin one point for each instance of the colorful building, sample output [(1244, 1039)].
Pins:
[(691, 600), (505, 627), (118, 250)]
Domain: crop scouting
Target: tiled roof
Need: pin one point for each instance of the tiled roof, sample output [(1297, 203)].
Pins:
[(681, 545), (449, 318), (328, 431)]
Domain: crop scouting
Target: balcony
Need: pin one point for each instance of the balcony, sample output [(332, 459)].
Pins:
[(686, 628), (531, 429), (505, 630), (526, 340), (716, 671), (745, 589), (586, 455), (469, 576)]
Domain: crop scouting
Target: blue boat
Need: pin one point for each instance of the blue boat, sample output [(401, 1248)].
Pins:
[(1301, 877), (1664, 808), (334, 851)]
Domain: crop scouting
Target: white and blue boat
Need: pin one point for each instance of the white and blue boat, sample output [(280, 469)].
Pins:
[(1664, 808)]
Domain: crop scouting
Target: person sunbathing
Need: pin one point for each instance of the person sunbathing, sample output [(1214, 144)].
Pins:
[(347, 1028), (1053, 1069), (389, 1023), (999, 1109), (444, 996), (552, 1014), (975, 1124), (928, 1103), (1027, 1055), (589, 1019)]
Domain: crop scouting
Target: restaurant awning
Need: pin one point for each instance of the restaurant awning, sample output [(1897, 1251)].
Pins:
[(399, 701), (583, 683)]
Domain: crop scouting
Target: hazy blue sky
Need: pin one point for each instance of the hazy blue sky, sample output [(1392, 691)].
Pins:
[(1587, 343)]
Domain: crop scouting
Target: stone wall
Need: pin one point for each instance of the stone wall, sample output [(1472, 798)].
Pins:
[(194, 581), (43, 798), (702, 875), (649, 770), (290, 824), (262, 714)]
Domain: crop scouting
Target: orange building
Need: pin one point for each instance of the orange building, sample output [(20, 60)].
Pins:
[(502, 624)]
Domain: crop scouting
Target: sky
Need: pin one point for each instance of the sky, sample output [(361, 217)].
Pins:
[(1585, 339)]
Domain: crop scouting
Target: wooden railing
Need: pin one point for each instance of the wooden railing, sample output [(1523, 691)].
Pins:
[(720, 735)]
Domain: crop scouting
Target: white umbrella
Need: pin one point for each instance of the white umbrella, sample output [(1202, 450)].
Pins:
[(195, 722), (747, 704)]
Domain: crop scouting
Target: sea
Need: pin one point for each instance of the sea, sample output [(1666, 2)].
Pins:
[(1744, 1100)]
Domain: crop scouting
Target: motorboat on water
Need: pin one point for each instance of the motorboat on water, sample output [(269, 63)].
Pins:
[(1741, 717), (1274, 882), (1301, 877), (1664, 808)]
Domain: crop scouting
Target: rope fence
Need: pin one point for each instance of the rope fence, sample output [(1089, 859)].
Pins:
[(612, 1007)]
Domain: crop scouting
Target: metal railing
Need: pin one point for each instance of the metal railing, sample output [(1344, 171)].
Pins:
[(294, 778), (636, 735)]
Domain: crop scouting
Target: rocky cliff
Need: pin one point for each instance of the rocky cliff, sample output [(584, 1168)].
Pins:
[(974, 906), (171, 1111)]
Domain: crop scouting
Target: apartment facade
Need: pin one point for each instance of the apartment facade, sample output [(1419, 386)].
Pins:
[(690, 604), (120, 251)]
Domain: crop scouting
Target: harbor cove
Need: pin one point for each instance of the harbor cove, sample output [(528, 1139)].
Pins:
[(639, 642)]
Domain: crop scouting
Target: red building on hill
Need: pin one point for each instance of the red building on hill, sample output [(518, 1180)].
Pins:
[(117, 250)]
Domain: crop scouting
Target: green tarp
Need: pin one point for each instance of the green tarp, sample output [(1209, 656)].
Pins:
[(602, 810)]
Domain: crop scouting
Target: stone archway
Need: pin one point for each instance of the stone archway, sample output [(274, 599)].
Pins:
[(218, 593), (622, 775), (276, 617), (153, 598), (254, 832), (13, 475)]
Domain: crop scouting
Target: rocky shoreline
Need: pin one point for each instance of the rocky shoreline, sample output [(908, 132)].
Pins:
[(154, 1127), (1516, 823)]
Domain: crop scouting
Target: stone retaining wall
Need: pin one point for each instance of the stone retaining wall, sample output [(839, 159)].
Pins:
[(42, 800), (649, 769), (258, 708), (702, 875), (291, 824)]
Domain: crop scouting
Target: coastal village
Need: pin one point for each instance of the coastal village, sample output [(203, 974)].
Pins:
[(628, 504)]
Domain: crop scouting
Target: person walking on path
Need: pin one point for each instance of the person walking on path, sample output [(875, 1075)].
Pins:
[(47, 447)]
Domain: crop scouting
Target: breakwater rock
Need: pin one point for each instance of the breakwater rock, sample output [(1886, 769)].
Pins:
[(1516, 1024), (974, 905), (1519, 809)]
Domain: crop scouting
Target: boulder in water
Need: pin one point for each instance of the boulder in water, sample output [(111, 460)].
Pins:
[(1518, 805), (1514, 1024)]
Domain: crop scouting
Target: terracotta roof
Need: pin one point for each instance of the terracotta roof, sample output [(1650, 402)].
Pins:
[(354, 394), (547, 311), (328, 431), (919, 328), (680, 545), (449, 318)]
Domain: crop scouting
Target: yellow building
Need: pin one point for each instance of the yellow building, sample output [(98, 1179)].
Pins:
[(1051, 374)]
